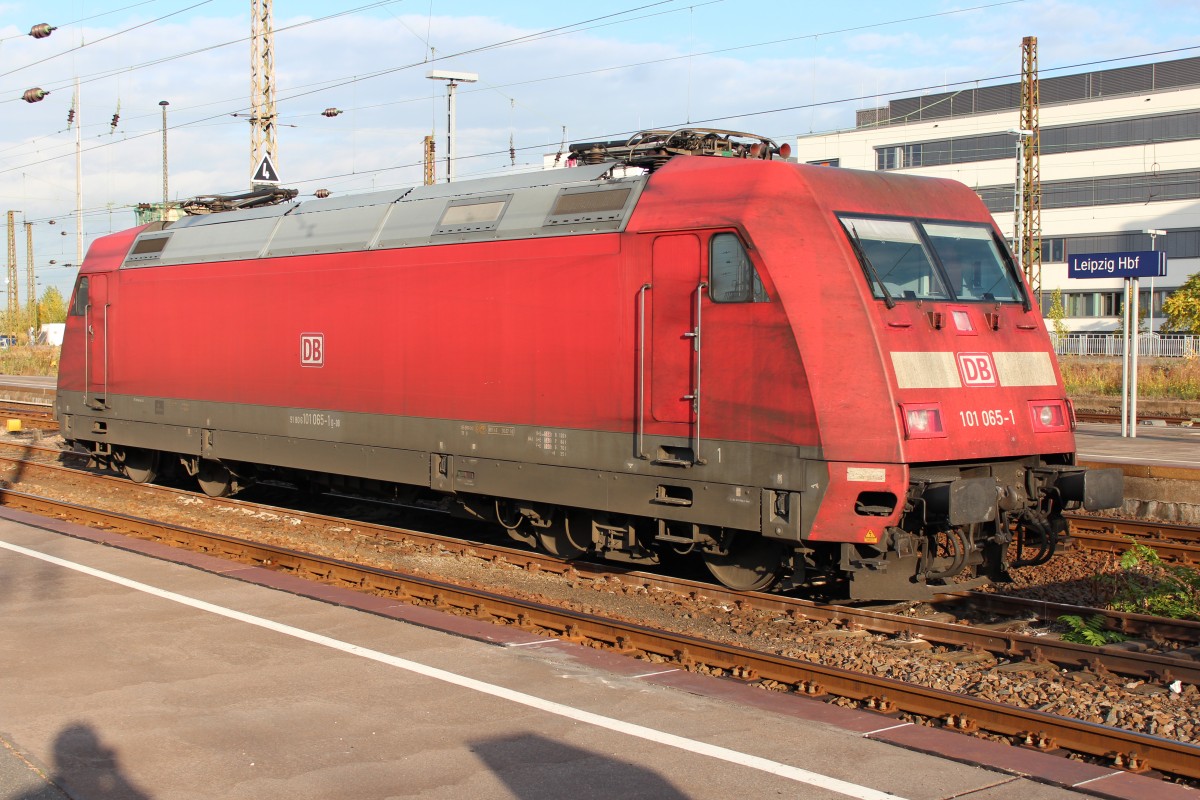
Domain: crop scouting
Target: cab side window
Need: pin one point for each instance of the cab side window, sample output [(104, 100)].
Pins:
[(731, 275), (80, 302)]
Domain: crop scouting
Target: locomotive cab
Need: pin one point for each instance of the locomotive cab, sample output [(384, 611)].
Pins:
[(970, 393)]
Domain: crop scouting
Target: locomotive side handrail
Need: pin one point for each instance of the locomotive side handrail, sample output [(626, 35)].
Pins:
[(641, 418), (104, 352), (694, 335), (87, 351)]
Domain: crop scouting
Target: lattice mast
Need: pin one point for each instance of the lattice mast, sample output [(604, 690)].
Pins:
[(1031, 183), (12, 269), (262, 85), (30, 279), (430, 161)]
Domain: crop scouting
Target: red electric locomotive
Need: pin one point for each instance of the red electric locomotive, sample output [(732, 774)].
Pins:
[(800, 374)]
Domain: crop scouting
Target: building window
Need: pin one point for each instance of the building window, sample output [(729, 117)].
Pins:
[(1054, 250), (1086, 136), (1140, 188), (900, 156), (1105, 304), (1108, 304), (827, 162), (912, 155), (1078, 304), (889, 157)]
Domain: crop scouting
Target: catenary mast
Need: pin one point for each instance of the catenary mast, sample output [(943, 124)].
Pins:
[(1031, 185), (262, 86)]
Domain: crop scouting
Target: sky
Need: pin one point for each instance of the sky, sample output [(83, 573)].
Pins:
[(549, 74)]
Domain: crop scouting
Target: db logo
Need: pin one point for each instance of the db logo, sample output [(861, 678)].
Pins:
[(312, 349), (977, 369)]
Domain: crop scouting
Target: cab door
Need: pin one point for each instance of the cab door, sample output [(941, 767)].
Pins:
[(96, 320), (677, 291)]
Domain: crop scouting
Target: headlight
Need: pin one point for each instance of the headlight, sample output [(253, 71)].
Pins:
[(1049, 415), (922, 421)]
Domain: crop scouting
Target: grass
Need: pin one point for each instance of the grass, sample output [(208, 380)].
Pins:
[(1160, 378), (26, 360)]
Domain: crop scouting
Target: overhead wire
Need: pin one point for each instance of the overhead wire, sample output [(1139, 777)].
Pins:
[(617, 134), (588, 24), (83, 19), (104, 38), (105, 74), (575, 27)]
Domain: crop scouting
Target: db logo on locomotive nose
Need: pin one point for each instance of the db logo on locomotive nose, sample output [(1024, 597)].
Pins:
[(977, 369), (312, 349)]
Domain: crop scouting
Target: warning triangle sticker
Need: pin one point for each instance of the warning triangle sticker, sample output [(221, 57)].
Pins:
[(266, 171)]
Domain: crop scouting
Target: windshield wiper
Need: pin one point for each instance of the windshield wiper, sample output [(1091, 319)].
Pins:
[(1025, 301), (862, 255)]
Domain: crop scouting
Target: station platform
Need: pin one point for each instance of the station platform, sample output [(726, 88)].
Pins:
[(1153, 445), (28, 388), (155, 673)]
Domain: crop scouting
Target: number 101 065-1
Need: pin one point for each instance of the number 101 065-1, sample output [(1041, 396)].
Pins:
[(987, 418)]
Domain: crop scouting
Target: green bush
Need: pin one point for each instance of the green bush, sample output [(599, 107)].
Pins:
[(1148, 585), (1088, 631)]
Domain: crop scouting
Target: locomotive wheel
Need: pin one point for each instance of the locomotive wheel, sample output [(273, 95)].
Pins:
[(140, 466), (751, 565), (564, 537), (214, 478)]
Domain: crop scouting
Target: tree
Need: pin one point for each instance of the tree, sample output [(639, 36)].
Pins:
[(52, 307), (1182, 307), (1057, 314)]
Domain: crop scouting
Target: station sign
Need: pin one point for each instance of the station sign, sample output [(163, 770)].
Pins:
[(1133, 264)]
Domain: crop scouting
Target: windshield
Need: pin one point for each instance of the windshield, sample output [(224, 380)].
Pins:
[(974, 265), (916, 260)]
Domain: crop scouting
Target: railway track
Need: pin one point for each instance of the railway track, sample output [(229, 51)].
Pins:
[(32, 416), (996, 614), (1176, 543), (1100, 416), (1122, 748), (998, 619)]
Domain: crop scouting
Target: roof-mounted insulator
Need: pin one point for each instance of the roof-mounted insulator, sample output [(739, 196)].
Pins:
[(34, 95), (321, 193), (331, 112), (41, 30)]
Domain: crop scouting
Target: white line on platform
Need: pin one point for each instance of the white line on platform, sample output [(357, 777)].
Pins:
[(1118, 458), (652, 674), (579, 715), (1112, 774)]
